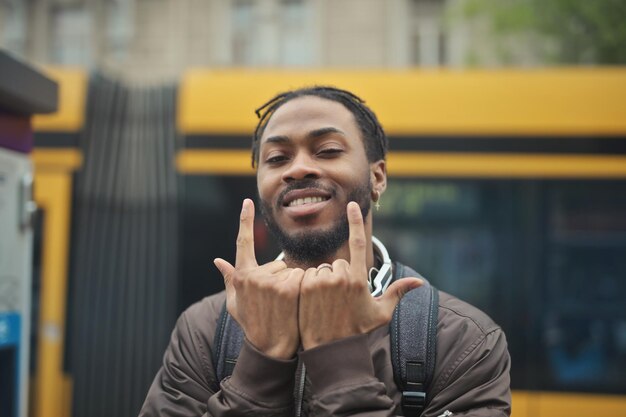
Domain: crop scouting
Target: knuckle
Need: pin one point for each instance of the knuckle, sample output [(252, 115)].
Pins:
[(306, 288), (353, 286), (285, 291), (266, 285), (340, 264), (242, 241), (334, 281), (355, 221), (358, 242), (358, 285), (309, 280)]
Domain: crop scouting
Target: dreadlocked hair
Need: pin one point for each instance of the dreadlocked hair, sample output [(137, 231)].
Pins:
[(374, 138)]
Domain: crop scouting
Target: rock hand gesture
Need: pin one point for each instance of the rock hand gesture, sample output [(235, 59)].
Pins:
[(278, 307)]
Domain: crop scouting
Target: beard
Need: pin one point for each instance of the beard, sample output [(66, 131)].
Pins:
[(315, 246)]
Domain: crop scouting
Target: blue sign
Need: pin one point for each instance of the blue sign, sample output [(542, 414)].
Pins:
[(9, 329)]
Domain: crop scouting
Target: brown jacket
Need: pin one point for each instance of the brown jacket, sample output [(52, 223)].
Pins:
[(349, 377)]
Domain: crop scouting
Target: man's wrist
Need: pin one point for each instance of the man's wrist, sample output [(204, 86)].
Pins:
[(338, 363), (281, 351), (251, 373)]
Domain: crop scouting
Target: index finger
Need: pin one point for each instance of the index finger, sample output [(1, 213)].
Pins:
[(357, 241), (245, 239)]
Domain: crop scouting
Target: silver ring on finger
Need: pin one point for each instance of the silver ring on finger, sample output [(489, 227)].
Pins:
[(325, 265)]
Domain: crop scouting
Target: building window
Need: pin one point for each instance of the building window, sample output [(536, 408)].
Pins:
[(272, 33), (71, 41), (119, 29), (245, 41), (13, 16), (427, 33), (296, 40)]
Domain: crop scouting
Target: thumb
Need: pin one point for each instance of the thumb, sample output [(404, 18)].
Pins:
[(396, 291), (227, 271)]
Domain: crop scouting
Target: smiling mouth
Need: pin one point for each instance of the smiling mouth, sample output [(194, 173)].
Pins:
[(306, 200)]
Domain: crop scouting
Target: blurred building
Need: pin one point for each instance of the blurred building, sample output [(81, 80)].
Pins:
[(130, 37)]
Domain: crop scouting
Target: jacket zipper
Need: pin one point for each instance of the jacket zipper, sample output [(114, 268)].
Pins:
[(300, 392)]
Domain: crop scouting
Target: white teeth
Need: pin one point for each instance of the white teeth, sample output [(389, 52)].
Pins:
[(306, 200)]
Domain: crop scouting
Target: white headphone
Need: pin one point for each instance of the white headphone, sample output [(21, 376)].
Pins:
[(381, 281)]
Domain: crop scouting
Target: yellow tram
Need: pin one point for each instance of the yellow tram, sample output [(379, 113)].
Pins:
[(507, 187)]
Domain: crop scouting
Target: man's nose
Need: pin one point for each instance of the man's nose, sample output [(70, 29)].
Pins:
[(301, 167)]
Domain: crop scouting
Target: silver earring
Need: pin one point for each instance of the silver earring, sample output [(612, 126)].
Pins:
[(376, 198)]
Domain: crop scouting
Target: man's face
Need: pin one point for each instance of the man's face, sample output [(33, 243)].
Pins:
[(312, 162)]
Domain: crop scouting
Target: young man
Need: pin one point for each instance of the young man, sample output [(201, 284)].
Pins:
[(325, 304)]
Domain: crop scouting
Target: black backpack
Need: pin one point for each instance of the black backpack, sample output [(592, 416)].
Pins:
[(413, 332)]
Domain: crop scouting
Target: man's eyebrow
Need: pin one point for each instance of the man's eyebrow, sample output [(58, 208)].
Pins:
[(277, 139), (324, 131), (311, 135)]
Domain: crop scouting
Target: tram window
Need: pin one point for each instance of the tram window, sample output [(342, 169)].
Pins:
[(461, 236), (209, 224), (584, 320), (450, 231)]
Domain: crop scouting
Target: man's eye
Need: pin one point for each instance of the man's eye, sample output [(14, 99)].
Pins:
[(330, 152), (276, 159)]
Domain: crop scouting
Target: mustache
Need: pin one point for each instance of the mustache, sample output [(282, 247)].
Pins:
[(306, 183)]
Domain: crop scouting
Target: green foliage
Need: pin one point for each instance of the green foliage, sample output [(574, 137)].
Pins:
[(575, 31)]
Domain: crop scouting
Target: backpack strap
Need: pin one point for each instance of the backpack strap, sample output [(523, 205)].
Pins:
[(413, 331), (226, 346)]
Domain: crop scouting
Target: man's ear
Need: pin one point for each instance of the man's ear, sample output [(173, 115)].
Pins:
[(378, 176)]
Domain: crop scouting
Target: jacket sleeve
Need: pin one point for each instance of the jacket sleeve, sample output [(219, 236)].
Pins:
[(477, 382), (183, 385), (473, 379), (343, 380)]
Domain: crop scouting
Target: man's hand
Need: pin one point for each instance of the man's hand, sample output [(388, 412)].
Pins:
[(336, 303), (262, 299)]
